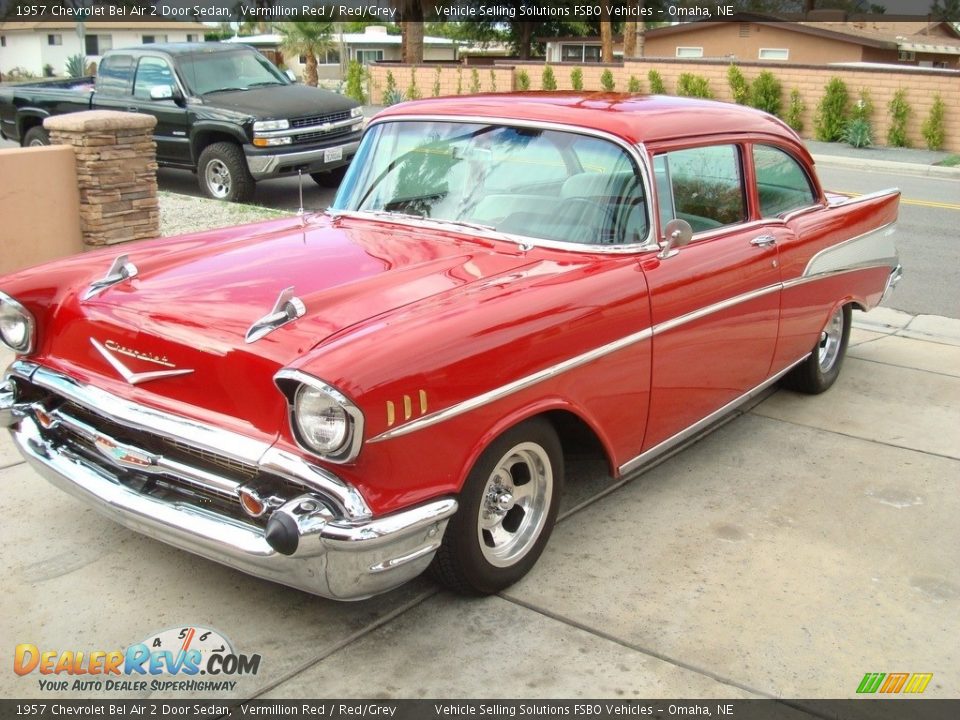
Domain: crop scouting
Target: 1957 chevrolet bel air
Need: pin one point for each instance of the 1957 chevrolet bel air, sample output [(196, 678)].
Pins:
[(339, 401)]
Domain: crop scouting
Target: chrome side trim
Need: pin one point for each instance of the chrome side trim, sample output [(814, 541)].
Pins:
[(667, 325), (689, 432), (513, 387), (871, 249), (121, 269), (860, 198), (636, 153), (140, 417)]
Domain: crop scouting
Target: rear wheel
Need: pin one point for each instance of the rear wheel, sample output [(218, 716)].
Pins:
[(507, 511), (819, 371), (223, 173), (36, 137), (330, 178)]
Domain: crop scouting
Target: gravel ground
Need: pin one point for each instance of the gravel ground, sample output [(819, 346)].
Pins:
[(181, 214)]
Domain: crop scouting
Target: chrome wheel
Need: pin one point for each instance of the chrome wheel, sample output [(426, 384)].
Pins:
[(217, 176), (36, 142), (514, 504), (831, 340)]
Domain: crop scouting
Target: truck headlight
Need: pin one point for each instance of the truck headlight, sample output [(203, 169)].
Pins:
[(356, 112), (324, 421), (17, 326), (268, 125)]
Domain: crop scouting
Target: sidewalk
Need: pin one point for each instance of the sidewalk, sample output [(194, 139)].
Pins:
[(806, 542), (913, 161)]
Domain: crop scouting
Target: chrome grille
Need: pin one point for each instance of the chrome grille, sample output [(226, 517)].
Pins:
[(319, 119), (234, 467)]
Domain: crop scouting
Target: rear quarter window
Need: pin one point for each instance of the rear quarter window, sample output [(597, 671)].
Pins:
[(115, 76)]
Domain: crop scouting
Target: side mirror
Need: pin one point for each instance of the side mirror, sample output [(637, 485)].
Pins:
[(678, 233), (161, 92), (290, 74)]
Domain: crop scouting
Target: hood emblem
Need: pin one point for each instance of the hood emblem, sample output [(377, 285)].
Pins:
[(112, 349), (287, 308), (122, 269)]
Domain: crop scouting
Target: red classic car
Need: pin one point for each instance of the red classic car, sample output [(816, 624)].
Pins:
[(339, 401)]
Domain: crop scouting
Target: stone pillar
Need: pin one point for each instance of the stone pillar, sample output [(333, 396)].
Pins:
[(116, 173)]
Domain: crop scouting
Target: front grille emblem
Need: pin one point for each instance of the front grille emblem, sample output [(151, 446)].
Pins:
[(125, 372)]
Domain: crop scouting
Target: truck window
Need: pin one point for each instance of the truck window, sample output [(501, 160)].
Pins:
[(115, 75), (152, 72)]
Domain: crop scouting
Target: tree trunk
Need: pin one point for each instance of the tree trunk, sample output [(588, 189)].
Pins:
[(629, 39), (641, 38), (411, 32), (606, 35), (526, 39), (310, 72)]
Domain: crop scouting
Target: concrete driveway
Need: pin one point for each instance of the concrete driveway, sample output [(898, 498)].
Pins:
[(802, 545)]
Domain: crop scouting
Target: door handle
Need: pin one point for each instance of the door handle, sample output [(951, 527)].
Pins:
[(133, 109), (764, 240)]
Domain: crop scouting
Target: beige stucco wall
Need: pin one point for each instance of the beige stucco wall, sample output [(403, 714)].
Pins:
[(39, 206)]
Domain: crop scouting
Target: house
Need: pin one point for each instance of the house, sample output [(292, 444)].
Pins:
[(574, 49), (924, 44), (41, 47), (372, 45)]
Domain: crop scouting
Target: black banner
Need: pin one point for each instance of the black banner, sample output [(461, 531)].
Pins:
[(874, 708), (216, 11)]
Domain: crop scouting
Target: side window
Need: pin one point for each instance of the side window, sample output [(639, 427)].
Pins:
[(115, 75), (152, 72), (703, 186), (782, 185)]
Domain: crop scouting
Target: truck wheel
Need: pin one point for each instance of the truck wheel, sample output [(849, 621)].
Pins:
[(36, 137), (330, 178), (508, 507), (819, 371), (223, 173)]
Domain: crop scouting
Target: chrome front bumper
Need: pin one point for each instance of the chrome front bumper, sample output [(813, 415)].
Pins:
[(266, 166), (339, 553)]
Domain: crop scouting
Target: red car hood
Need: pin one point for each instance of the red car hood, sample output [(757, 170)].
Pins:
[(194, 298)]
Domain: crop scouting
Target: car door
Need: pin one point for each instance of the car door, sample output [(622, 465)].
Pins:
[(173, 142), (715, 303)]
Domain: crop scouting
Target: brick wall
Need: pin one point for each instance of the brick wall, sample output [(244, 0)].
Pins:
[(920, 86)]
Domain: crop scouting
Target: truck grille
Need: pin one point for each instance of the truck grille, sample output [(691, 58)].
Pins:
[(320, 119)]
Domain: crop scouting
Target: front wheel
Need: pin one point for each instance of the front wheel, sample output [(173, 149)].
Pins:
[(36, 136), (223, 173), (507, 511), (819, 371)]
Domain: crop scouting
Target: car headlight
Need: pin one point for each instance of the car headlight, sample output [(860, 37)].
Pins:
[(267, 125), (356, 112), (17, 327), (323, 420)]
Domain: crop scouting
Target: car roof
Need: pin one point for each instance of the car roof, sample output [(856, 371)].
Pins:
[(634, 118), (182, 48)]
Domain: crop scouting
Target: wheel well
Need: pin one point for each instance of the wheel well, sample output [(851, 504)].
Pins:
[(202, 140), (577, 438), (28, 122)]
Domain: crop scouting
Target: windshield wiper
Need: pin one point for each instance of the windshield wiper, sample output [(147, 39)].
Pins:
[(225, 89), (265, 82)]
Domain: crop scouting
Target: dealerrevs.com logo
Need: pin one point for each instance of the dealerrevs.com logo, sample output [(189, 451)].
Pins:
[(168, 661)]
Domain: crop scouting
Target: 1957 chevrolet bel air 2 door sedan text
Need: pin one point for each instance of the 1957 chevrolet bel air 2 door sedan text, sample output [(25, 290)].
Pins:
[(339, 401)]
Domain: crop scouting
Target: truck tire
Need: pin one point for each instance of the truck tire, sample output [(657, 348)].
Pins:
[(35, 137), (330, 178), (223, 174)]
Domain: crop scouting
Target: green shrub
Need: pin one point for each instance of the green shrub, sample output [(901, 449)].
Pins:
[(436, 82), (493, 81), (634, 85), (832, 111), (606, 80), (356, 75), (738, 86), (932, 129), (795, 111), (391, 90), (863, 108), (76, 65), (656, 83), (858, 133), (899, 116), (690, 85), (474, 81), (766, 93), (547, 80), (413, 92), (523, 80), (576, 78), (460, 80)]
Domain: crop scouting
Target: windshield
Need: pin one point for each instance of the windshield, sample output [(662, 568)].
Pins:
[(224, 71), (536, 183)]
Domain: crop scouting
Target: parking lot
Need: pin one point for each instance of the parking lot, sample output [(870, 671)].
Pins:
[(805, 543)]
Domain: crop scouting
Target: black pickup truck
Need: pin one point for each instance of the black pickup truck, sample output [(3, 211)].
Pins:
[(223, 111)]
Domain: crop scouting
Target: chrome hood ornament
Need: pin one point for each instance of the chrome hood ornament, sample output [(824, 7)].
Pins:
[(286, 309), (122, 269), (112, 349)]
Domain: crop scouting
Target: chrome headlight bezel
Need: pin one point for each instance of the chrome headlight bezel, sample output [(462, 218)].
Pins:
[(296, 385), (10, 306)]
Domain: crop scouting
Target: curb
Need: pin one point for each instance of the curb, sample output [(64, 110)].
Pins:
[(932, 328), (903, 168)]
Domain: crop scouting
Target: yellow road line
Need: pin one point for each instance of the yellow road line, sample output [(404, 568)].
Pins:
[(908, 201)]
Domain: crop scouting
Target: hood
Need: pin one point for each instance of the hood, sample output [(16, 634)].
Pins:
[(194, 298), (280, 102)]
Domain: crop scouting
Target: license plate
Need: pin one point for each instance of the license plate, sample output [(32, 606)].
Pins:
[(333, 154)]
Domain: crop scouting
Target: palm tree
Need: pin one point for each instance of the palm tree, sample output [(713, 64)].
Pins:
[(309, 38), (606, 35), (411, 32)]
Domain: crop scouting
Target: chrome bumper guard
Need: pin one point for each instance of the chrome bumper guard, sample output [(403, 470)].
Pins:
[(896, 275), (265, 166), (338, 549)]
